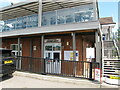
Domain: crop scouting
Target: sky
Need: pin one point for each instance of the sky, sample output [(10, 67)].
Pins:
[(107, 8)]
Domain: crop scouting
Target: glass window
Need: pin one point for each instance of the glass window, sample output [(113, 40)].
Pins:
[(78, 17), (24, 22), (44, 21), (29, 21), (53, 20), (69, 19), (48, 47), (35, 20), (60, 20), (49, 18), (65, 16), (19, 23), (56, 46), (15, 47)]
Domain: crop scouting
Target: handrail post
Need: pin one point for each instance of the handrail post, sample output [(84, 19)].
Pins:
[(90, 71)]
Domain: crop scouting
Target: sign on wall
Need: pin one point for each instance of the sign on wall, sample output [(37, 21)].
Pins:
[(90, 53), (68, 55), (52, 41)]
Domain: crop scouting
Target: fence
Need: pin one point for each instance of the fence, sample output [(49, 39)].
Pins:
[(82, 69), (111, 67)]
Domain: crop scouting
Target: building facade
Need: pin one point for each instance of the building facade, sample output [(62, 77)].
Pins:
[(62, 29)]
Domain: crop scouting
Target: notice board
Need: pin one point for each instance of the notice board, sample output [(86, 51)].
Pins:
[(68, 55), (90, 53)]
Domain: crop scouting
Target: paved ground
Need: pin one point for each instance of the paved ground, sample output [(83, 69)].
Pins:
[(27, 82)]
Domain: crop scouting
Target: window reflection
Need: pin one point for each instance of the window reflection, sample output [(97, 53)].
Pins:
[(69, 15), (69, 19), (78, 17), (57, 47), (60, 20), (21, 23), (63, 16)]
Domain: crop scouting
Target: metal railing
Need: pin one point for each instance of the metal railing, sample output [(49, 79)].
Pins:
[(111, 67), (110, 50), (79, 69)]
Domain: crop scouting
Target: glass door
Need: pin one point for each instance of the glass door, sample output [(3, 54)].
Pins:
[(52, 54)]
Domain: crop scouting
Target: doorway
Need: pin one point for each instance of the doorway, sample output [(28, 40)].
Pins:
[(52, 54)]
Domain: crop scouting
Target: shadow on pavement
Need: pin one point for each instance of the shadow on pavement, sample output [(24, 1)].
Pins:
[(6, 77)]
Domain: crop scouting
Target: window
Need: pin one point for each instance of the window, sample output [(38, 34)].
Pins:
[(69, 19), (48, 47), (15, 47), (78, 17), (52, 45)]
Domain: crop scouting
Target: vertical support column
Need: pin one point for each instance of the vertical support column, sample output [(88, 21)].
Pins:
[(31, 54), (95, 7), (74, 46), (40, 13), (42, 55), (74, 50), (18, 46), (18, 62), (96, 46), (42, 46)]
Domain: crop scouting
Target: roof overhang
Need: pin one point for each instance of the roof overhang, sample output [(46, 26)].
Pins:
[(112, 25), (31, 7)]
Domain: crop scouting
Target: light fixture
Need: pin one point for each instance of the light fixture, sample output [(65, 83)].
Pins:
[(67, 43)]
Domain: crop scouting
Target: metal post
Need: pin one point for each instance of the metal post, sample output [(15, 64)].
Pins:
[(42, 54), (18, 62), (19, 46), (42, 46), (40, 13), (74, 51), (90, 75), (98, 55), (97, 48)]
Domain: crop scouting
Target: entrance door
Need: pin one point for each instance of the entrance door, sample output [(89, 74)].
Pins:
[(56, 56), (53, 55)]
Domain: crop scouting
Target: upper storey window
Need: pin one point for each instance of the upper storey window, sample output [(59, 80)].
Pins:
[(82, 13), (21, 23)]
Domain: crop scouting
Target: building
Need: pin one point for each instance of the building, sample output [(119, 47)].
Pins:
[(107, 25), (59, 29)]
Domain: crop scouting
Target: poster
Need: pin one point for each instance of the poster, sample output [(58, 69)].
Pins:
[(90, 53), (97, 74), (68, 55)]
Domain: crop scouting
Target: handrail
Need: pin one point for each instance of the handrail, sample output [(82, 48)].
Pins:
[(116, 47)]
